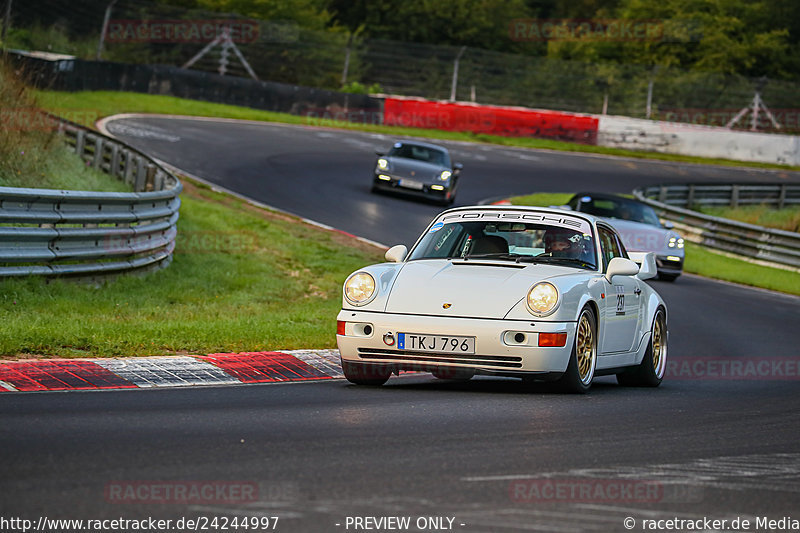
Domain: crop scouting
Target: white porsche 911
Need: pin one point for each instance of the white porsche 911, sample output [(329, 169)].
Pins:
[(528, 292)]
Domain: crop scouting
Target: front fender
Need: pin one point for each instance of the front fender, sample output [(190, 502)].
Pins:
[(575, 292), (654, 302), (384, 274)]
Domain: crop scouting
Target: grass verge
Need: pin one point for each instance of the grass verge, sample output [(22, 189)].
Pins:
[(787, 219), (85, 107), (32, 155), (702, 261), (59, 169), (242, 279)]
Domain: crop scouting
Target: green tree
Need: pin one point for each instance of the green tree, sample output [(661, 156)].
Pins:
[(309, 14), (476, 23), (749, 37)]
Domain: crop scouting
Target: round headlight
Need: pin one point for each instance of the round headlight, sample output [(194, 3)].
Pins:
[(445, 175), (542, 298), (359, 288), (675, 240), (383, 164)]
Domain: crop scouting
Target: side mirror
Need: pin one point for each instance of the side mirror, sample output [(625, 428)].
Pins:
[(457, 166), (647, 264), (669, 225), (619, 266), (396, 253)]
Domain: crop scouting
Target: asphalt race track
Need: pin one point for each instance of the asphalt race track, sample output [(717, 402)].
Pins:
[(490, 455), (325, 174)]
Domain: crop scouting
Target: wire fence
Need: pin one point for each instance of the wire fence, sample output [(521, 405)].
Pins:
[(143, 32)]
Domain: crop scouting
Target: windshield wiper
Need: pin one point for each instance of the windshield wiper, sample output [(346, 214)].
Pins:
[(570, 260), (517, 258)]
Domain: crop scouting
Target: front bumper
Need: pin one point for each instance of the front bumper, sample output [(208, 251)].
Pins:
[(496, 350), (424, 190), (667, 266)]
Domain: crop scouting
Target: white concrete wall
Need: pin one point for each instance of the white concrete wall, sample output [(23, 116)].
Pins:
[(693, 140)]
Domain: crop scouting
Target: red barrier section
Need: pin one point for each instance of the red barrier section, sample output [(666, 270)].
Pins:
[(264, 367), (60, 375), (494, 120)]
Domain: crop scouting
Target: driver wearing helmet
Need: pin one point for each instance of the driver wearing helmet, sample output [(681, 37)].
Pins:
[(559, 242)]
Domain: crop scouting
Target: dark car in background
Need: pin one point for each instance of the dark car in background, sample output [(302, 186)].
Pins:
[(417, 169), (639, 226)]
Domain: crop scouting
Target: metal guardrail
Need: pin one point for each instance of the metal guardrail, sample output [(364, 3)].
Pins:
[(56, 232), (689, 195), (775, 246)]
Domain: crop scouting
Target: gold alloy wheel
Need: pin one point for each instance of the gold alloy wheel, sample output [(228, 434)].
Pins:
[(659, 346), (584, 350)]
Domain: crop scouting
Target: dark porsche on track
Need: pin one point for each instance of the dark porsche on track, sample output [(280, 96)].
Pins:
[(417, 169)]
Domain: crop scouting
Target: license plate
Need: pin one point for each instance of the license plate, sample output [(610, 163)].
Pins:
[(411, 184), (435, 343)]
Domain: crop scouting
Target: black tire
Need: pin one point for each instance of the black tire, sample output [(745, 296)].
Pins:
[(365, 374), (457, 374), (583, 360), (650, 372), (668, 277)]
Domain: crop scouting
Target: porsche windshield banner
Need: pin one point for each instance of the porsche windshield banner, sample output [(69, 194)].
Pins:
[(546, 218)]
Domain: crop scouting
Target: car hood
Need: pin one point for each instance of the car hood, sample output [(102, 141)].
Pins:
[(639, 237), (472, 288), (402, 167)]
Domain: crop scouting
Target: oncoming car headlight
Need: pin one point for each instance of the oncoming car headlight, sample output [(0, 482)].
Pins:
[(359, 288), (675, 242), (383, 164), (542, 298), (445, 175)]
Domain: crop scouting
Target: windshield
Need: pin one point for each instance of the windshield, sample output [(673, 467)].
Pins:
[(420, 153), (526, 241), (620, 208)]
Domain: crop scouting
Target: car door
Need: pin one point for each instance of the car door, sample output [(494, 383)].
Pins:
[(622, 300)]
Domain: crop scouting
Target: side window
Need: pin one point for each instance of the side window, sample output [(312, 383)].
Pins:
[(623, 251), (610, 245), (446, 242)]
